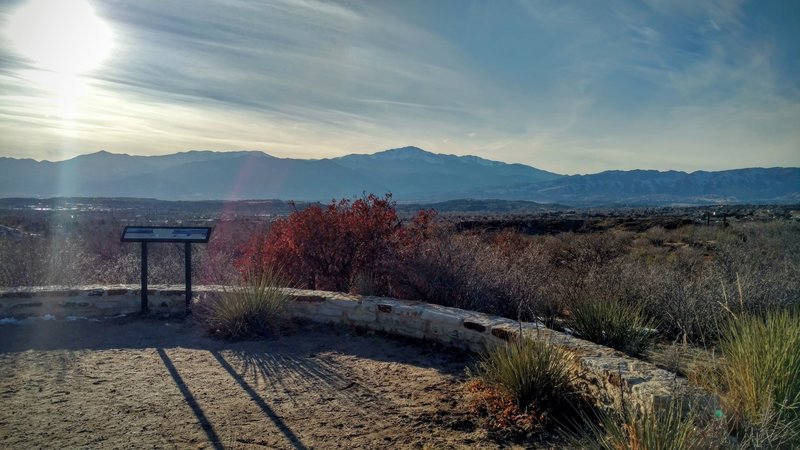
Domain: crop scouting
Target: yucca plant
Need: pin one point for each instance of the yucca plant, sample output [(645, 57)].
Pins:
[(761, 368), (670, 428), (255, 308), (613, 323), (532, 372)]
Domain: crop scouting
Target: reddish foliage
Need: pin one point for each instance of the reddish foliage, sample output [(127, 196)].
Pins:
[(500, 413), (325, 247), (228, 237)]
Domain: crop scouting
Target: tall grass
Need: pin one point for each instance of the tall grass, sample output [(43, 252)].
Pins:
[(761, 368), (669, 429), (613, 323), (532, 372), (772, 432), (364, 282), (255, 308)]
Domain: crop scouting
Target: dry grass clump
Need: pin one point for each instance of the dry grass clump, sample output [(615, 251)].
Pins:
[(669, 429), (365, 283), (613, 323), (255, 308), (773, 432), (518, 386), (694, 363), (761, 373)]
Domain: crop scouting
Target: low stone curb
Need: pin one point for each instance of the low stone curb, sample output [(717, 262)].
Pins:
[(608, 378)]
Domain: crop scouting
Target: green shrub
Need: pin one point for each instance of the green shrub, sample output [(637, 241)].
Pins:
[(613, 323), (668, 429), (256, 308), (761, 368), (532, 372)]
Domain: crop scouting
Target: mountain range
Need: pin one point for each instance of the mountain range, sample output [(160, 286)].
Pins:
[(409, 173)]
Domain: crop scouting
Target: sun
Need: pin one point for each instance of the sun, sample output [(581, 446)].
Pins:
[(61, 36)]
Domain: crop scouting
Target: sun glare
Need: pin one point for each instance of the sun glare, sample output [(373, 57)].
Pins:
[(62, 36), (62, 40)]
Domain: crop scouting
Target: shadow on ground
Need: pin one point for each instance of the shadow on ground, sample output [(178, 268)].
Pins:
[(136, 382)]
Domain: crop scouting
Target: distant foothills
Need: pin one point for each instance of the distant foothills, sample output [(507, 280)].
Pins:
[(409, 173)]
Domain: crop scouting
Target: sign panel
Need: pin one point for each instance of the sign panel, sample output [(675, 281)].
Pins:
[(166, 234)]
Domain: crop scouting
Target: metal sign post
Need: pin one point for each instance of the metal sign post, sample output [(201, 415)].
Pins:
[(187, 268), (187, 235), (144, 277)]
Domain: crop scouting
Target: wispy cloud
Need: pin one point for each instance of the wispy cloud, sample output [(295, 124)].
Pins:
[(664, 88), (570, 87)]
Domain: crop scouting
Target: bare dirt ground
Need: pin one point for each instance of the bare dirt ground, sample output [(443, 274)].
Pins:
[(157, 384)]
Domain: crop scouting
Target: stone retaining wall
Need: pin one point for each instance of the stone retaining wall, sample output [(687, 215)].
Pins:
[(607, 377), (90, 302)]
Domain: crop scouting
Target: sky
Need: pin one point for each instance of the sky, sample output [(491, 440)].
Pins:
[(569, 87)]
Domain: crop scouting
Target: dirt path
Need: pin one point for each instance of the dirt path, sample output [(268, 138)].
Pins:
[(157, 384)]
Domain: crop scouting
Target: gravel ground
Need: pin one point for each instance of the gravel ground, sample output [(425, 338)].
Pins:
[(143, 383)]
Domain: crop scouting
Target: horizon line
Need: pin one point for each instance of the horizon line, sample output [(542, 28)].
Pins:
[(390, 149)]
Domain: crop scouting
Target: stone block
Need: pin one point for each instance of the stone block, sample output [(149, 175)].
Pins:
[(114, 292), (59, 293), (329, 309), (107, 304), (504, 334), (27, 305), (408, 311), (170, 292), (308, 298), (360, 315), (442, 317), (344, 304), (17, 295), (474, 326)]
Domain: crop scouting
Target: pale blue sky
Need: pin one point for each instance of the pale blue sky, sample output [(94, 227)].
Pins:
[(570, 87)]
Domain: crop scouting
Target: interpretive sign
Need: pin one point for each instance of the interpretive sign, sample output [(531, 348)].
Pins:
[(166, 234), (186, 235)]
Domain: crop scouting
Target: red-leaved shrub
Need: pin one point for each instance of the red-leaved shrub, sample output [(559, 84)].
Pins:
[(327, 247)]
